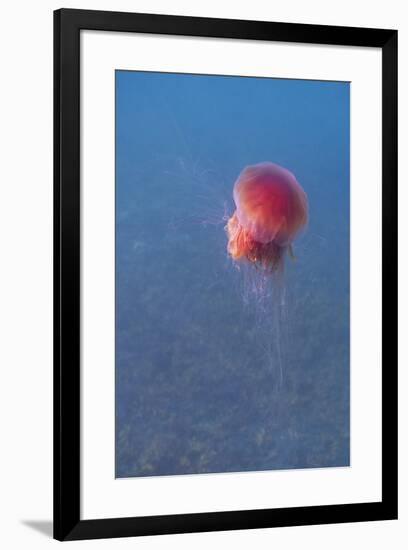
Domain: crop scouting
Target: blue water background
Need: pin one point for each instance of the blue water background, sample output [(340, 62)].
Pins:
[(205, 381)]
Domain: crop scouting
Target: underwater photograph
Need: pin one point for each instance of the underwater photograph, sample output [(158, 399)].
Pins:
[(232, 274)]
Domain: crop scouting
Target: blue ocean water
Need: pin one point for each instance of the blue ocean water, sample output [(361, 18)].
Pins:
[(211, 376)]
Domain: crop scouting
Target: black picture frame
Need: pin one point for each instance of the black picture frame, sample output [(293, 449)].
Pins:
[(67, 26)]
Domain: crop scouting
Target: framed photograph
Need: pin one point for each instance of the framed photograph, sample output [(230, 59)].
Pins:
[(225, 274)]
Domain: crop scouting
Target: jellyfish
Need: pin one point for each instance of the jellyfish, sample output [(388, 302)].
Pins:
[(271, 210)]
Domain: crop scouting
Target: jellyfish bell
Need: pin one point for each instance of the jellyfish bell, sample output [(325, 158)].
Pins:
[(270, 203), (271, 210)]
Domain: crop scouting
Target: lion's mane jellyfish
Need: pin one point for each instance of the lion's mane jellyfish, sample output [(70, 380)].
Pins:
[(271, 210)]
